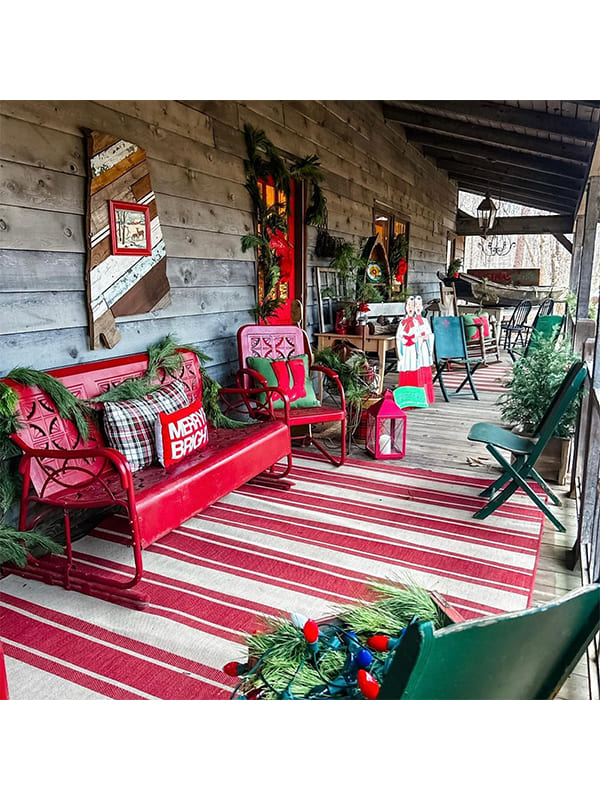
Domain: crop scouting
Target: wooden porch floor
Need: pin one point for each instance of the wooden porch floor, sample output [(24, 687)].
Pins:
[(437, 439)]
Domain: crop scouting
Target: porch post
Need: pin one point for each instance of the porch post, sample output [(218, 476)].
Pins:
[(592, 215), (576, 255)]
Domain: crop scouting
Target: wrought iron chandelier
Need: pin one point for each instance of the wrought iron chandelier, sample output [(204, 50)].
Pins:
[(496, 245)]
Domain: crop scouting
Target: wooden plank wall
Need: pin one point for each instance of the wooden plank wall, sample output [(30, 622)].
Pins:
[(195, 153)]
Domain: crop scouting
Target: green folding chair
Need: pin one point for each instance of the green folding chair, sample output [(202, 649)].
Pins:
[(526, 450), (450, 349), (544, 327), (523, 655)]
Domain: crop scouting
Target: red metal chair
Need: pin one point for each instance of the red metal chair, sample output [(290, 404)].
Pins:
[(281, 342)]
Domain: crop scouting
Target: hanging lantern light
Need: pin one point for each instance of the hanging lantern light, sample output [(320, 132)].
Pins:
[(486, 214), (386, 429)]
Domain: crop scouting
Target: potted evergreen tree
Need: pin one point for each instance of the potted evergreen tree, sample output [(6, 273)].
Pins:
[(535, 379)]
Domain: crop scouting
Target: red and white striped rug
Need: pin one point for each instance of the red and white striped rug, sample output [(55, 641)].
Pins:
[(490, 378), (263, 551)]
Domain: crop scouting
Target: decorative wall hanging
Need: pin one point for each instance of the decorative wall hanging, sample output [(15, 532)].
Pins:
[(127, 263)]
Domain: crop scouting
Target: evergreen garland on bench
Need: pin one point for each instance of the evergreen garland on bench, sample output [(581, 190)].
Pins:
[(14, 544)]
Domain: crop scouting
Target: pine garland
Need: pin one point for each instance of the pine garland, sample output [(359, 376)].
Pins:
[(355, 387), (281, 667), (264, 161), (16, 545)]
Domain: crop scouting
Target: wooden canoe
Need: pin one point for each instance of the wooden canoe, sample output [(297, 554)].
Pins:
[(488, 293)]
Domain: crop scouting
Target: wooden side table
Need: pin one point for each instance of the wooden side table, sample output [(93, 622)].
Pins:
[(370, 343)]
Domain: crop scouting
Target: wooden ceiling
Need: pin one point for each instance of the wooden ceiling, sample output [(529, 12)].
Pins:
[(533, 152)]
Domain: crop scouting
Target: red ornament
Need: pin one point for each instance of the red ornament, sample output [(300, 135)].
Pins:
[(367, 684), (379, 643), (279, 244), (311, 631), (231, 668), (456, 274), (401, 270)]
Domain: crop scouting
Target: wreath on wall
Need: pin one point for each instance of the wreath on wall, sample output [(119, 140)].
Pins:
[(264, 161)]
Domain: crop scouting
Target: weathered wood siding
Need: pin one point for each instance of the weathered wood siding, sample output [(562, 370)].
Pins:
[(195, 153)]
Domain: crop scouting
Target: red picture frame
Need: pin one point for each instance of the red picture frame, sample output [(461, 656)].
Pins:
[(129, 229)]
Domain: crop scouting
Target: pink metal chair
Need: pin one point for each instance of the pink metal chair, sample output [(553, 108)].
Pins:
[(281, 342)]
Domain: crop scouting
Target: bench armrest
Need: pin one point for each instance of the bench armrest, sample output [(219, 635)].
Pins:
[(53, 473)]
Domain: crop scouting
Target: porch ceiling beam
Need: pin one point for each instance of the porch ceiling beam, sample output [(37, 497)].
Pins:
[(545, 202), (522, 143), (520, 184), (504, 189), (496, 155), (556, 224), (500, 114), (560, 237), (529, 177)]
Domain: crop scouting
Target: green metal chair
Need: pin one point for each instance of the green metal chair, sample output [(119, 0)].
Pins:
[(526, 450), (450, 349), (523, 655), (548, 326)]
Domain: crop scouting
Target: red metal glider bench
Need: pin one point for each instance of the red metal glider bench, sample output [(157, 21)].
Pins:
[(61, 471)]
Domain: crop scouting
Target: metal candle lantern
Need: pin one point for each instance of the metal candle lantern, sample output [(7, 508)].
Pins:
[(386, 429), (362, 316)]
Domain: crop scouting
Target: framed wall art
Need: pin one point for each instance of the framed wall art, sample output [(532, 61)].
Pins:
[(129, 229)]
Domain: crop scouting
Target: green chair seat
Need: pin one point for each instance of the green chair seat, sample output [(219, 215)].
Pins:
[(493, 434)]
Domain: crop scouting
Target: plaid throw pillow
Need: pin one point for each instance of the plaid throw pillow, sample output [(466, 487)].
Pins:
[(129, 424)]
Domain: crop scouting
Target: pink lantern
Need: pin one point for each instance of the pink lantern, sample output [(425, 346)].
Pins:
[(386, 429)]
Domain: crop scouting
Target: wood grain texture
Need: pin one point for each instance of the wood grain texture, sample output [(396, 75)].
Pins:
[(20, 270), (31, 187), (32, 229)]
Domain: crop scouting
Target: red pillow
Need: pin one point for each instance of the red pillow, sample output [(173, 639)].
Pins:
[(180, 433), (282, 369), (485, 329)]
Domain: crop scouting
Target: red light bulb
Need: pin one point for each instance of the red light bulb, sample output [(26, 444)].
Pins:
[(311, 631), (379, 643), (367, 684), (231, 669)]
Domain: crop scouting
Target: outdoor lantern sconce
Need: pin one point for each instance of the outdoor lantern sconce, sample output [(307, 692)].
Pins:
[(486, 214), (386, 429)]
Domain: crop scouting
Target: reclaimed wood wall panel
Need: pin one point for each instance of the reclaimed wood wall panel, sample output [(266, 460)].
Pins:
[(126, 284), (195, 150)]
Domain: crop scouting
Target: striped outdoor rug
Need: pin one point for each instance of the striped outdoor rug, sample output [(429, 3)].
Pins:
[(489, 378), (263, 551)]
